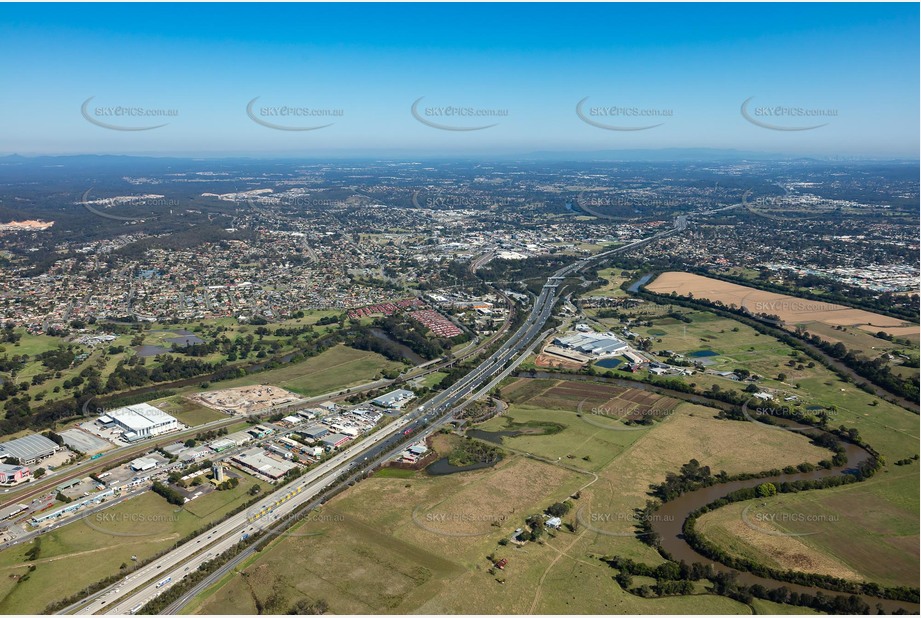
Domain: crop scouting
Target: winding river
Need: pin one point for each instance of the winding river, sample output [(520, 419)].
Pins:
[(670, 517)]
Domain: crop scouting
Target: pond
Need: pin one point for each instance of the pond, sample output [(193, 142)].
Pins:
[(442, 467), (405, 351), (609, 363), (183, 337), (703, 353), (495, 437), (145, 351)]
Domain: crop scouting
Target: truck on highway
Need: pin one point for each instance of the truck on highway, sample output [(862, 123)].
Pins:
[(164, 581), (135, 609)]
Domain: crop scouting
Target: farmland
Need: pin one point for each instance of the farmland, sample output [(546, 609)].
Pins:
[(879, 543), (792, 310)]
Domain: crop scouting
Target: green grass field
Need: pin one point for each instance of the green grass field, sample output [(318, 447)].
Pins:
[(187, 411), (433, 379), (153, 335), (876, 542), (578, 440), (615, 278), (760, 606), (337, 368)]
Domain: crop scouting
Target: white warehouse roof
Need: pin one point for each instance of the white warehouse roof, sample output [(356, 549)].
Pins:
[(140, 416)]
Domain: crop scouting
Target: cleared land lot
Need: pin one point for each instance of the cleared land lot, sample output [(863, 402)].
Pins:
[(244, 399), (790, 309)]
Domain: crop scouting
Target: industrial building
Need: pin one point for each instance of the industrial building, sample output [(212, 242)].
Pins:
[(222, 444), (142, 464), (260, 431), (13, 475), (28, 449), (239, 437), (257, 460), (68, 484), (12, 511), (72, 507), (314, 432), (139, 421), (335, 440), (394, 400), (595, 344)]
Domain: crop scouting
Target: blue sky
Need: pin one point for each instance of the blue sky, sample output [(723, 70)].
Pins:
[(853, 66)]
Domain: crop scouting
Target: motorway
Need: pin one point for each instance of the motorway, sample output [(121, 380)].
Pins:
[(143, 585)]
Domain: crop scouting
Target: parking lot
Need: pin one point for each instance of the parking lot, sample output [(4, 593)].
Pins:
[(84, 442), (112, 434)]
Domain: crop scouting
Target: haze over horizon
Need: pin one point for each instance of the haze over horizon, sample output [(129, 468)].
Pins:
[(689, 69)]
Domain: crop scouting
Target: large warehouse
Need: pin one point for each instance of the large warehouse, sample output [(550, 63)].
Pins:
[(595, 344), (28, 449), (140, 421), (257, 460)]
